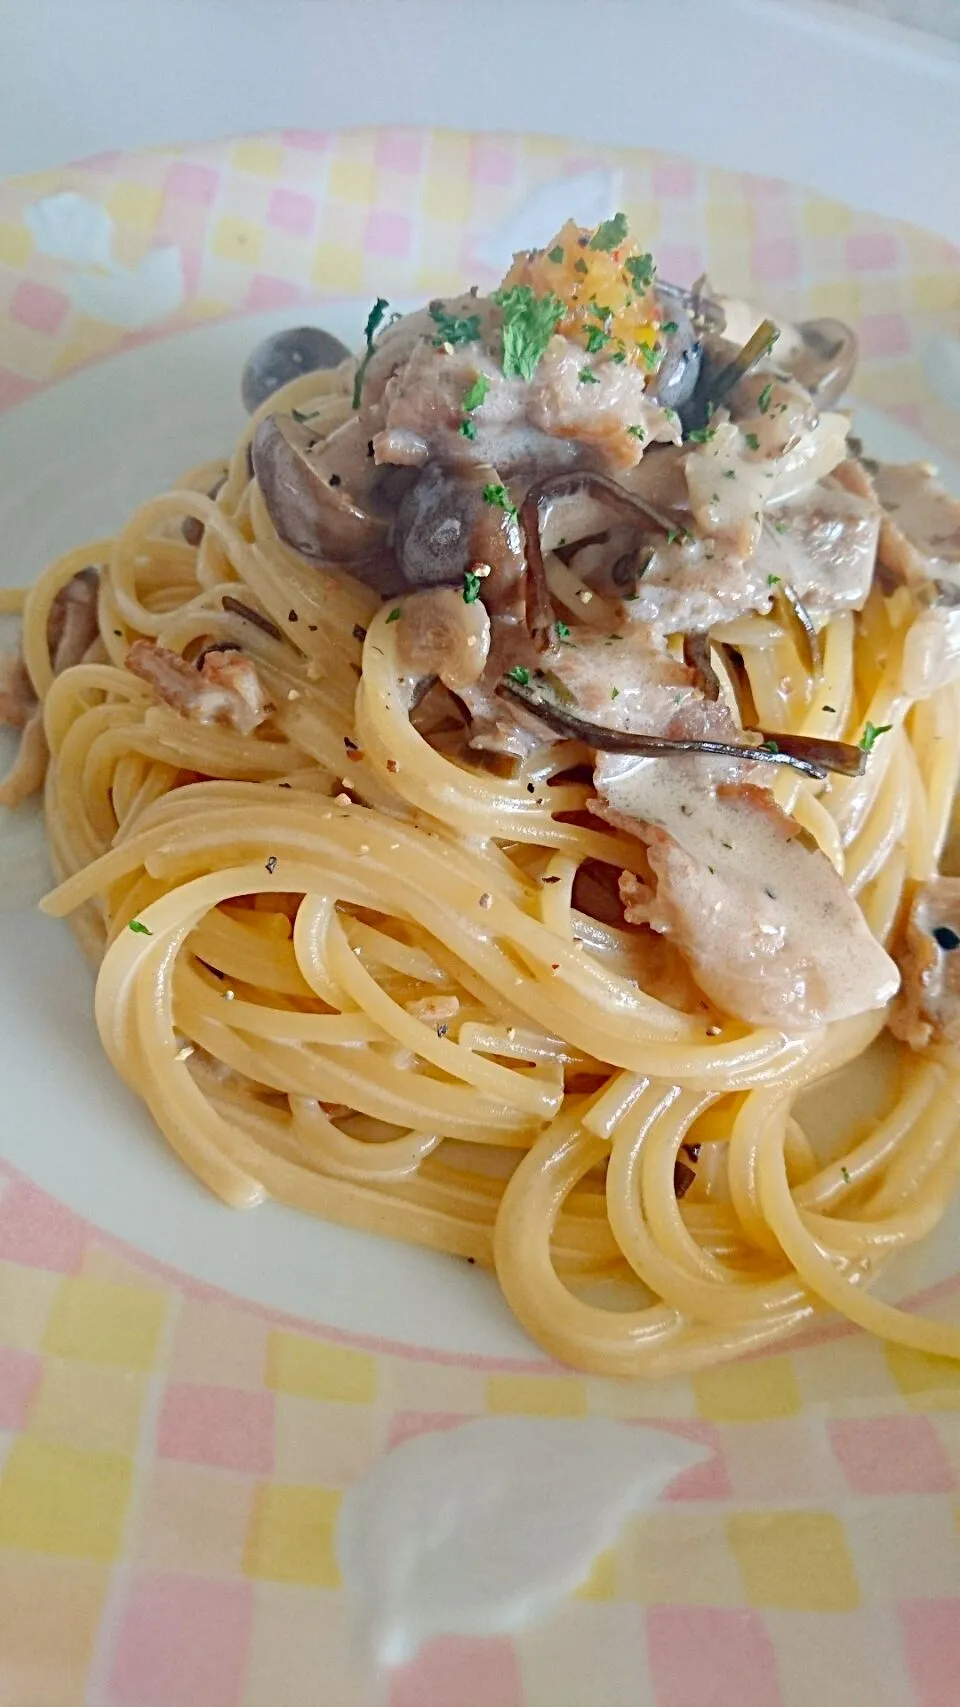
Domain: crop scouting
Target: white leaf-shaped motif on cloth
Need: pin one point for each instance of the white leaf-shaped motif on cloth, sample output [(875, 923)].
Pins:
[(586, 197), (69, 227), (133, 297), (480, 1529)]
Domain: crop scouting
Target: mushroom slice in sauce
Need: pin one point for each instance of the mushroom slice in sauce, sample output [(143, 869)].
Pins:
[(72, 630), (927, 1010), (312, 506), (284, 356), (225, 689), (446, 528)]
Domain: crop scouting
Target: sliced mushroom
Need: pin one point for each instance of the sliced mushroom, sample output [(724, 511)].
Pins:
[(679, 370), (313, 509), (445, 527), (285, 356)]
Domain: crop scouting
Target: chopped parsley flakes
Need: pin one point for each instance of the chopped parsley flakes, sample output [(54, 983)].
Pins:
[(563, 631), (763, 401), (702, 435), (468, 429), (556, 255), (773, 580), (395, 614), (752, 441), (641, 270), (139, 928), (519, 675), (871, 735), (374, 319), (669, 327), (454, 328), (475, 393), (596, 338), (587, 378), (471, 587), (610, 233), (636, 432), (500, 498), (529, 323)]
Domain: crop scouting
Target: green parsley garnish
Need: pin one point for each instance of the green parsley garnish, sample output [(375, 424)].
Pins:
[(614, 693), (139, 928), (780, 527), (729, 474), (651, 354), (773, 580), (519, 675), (580, 266), (556, 255), (475, 394), (600, 311), (454, 328), (529, 323), (610, 233), (500, 497), (673, 534), (752, 442), (619, 356), (871, 734), (374, 318), (763, 401), (702, 435), (395, 614), (669, 326), (770, 746), (468, 429), (636, 432), (471, 587), (563, 631), (587, 378), (641, 270), (596, 338)]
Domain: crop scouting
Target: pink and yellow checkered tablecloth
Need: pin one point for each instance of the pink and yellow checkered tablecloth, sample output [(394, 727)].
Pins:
[(172, 1460)]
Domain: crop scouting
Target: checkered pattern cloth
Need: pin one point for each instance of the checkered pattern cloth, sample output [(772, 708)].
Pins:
[(172, 1460)]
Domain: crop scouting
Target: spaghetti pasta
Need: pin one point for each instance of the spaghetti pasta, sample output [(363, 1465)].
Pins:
[(350, 962)]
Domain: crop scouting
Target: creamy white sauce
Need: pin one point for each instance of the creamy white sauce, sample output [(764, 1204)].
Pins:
[(481, 1529), (768, 927)]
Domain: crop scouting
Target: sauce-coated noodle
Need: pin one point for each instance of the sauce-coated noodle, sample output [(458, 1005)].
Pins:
[(383, 1014)]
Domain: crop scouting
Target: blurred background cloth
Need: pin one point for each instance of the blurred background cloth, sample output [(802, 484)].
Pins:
[(938, 17), (860, 100)]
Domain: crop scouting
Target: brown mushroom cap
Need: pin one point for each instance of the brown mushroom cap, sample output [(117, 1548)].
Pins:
[(312, 508)]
